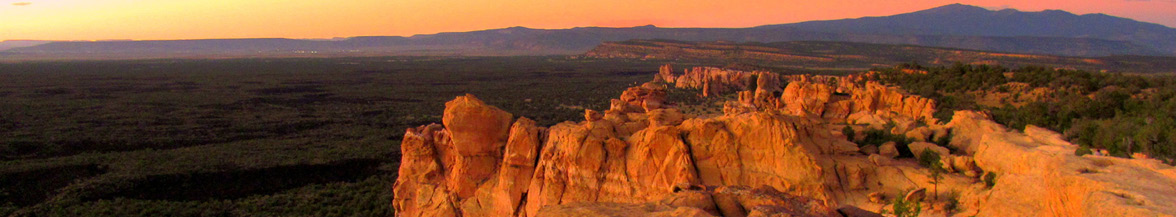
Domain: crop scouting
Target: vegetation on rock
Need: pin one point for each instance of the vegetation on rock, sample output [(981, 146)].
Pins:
[(1122, 114), (989, 179), (900, 207)]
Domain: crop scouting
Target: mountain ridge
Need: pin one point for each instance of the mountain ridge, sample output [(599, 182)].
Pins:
[(1087, 35), (959, 19), (9, 44)]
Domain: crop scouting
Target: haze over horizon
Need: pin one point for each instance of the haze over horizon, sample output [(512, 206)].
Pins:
[(215, 19)]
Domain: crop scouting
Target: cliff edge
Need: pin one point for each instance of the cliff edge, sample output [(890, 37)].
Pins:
[(779, 150)]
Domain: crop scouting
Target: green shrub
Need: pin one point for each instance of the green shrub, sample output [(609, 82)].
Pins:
[(929, 159), (953, 202), (1083, 151), (903, 208), (944, 140), (877, 137), (849, 133), (989, 179)]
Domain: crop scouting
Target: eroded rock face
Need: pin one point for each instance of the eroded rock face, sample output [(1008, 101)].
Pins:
[(777, 151), (447, 169), (757, 149), (477, 132), (594, 162), (713, 81), (518, 166), (420, 189), (836, 98), (876, 97), (803, 98)]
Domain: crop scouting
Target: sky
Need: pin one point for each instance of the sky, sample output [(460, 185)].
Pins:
[(200, 19)]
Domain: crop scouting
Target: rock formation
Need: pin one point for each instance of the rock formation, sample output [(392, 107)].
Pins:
[(778, 150), (1040, 176)]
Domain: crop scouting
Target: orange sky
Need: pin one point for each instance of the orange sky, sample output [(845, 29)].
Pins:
[(194, 19)]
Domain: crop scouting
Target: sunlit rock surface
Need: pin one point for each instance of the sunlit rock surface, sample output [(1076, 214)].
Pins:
[(778, 150)]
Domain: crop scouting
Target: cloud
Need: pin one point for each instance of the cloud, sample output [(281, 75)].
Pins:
[(22, 4)]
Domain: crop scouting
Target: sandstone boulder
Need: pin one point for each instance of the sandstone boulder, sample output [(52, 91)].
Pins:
[(802, 98), (888, 149), (920, 134), (867, 118), (636, 99), (917, 148), (870, 149), (916, 195), (518, 166), (839, 109), (665, 117), (478, 133), (476, 128), (758, 149), (592, 115), (766, 201), (420, 188)]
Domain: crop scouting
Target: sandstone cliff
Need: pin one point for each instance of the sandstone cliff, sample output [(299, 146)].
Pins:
[(778, 150)]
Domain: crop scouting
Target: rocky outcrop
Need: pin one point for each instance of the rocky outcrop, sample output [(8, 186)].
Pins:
[(1038, 175), (599, 160), (421, 188), (830, 97), (717, 81), (763, 149), (518, 167), (804, 98), (449, 170), (892, 100), (774, 151)]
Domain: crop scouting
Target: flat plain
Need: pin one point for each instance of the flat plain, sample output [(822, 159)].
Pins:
[(254, 137)]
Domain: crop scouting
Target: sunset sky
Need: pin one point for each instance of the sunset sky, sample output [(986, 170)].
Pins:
[(196, 19)]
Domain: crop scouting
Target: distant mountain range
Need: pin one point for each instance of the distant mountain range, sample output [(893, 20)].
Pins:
[(849, 57), (953, 26), (5, 45), (966, 20)]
